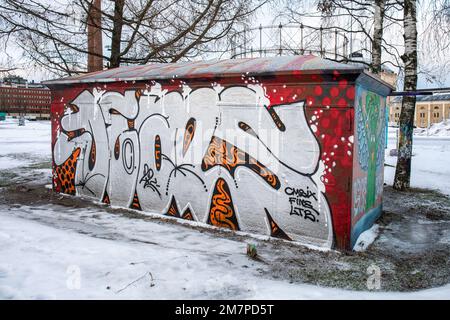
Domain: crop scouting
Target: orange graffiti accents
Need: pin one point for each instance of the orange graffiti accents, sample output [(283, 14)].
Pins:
[(66, 173), (74, 134), (275, 230), (135, 204), (173, 209), (117, 149), (138, 94), (265, 173), (72, 107), (187, 214), (221, 211), (105, 198), (130, 123), (224, 154), (92, 155), (188, 134), (158, 158)]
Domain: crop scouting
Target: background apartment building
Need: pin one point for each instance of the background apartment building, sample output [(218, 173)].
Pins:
[(429, 110), (18, 97)]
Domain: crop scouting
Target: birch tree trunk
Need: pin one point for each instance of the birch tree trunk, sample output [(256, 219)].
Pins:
[(377, 36), (403, 169)]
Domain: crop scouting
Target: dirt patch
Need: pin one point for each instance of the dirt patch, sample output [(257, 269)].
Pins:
[(412, 251)]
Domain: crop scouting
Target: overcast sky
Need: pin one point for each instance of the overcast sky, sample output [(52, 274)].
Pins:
[(267, 16)]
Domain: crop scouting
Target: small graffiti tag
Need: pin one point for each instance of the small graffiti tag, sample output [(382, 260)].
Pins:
[(149, 180), (301, 205)]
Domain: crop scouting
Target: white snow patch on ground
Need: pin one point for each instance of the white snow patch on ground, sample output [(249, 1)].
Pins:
[(441, 129), (10, 162), (430, 162), (20, 145), (44, 262), (366, 238)]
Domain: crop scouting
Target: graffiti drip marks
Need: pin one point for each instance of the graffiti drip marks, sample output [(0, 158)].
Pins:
[(66, 173), (222, 212), (222, 153), (275, 230)]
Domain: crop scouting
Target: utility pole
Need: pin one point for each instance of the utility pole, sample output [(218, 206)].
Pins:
[(95, 43)]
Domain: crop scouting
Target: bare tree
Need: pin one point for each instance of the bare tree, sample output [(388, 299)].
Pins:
[(434, 50), (52, 34), (367, 20), (6, 70), (403, 169), (377, 38), (362, 21)]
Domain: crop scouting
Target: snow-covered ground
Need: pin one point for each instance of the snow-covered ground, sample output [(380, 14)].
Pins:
[(441, 129), (33, 140), (430, 163), (50, 252)]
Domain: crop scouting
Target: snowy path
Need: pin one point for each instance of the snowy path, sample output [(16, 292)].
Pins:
[(55, 252), (44, 257)]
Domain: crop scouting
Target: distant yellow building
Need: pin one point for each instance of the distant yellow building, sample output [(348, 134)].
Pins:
[(429, 110)]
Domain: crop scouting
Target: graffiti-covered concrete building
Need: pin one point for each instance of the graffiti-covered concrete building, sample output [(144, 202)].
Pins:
[(290, 147)]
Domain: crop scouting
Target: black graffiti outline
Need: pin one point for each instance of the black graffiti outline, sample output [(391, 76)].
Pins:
[(166, 119), (86, 179), (179, 168), (303, 209), (129, 169), (299, 192), (149, 180)]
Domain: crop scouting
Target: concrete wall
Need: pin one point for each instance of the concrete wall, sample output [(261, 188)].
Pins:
[(273, 159)]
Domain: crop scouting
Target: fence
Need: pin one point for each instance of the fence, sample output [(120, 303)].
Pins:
[(332, 43)]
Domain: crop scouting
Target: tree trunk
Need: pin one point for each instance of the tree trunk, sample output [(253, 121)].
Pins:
[(116, 37), (377, 36), (403, 169)]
